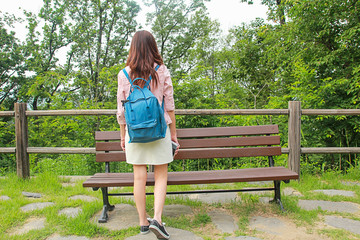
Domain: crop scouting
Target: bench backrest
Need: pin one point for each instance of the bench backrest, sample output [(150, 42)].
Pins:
[(200, 143)]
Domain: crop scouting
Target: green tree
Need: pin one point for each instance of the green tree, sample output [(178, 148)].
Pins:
[(316, 57), (12, 69), (12, 80), (177, 25), (42, 46), (101, 34), (94, 34), (250, 69), (277, 9)]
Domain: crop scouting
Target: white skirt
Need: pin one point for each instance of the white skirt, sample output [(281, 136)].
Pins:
[(152, 153)]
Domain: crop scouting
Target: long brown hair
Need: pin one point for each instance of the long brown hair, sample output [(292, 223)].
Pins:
[(143, 55)]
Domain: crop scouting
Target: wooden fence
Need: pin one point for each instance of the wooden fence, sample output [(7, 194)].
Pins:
[(294, 113)]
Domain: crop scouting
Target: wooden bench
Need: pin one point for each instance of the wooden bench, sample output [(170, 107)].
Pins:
[(199, 143)]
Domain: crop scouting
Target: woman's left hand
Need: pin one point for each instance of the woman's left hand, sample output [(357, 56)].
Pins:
[(174, 139)]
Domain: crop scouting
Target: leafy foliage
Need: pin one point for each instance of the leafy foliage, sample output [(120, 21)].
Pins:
[(310, 52), (12, 68)]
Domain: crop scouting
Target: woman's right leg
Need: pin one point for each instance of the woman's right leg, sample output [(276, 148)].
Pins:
[(156, 225), (161, 173), (140, 176)]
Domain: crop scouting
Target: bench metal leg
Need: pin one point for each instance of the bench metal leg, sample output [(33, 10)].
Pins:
[(277, 197), (106, 206)]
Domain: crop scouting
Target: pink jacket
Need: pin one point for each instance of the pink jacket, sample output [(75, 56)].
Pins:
[(164, 89)]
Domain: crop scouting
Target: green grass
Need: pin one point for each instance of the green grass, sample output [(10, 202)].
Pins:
[(49, 185)]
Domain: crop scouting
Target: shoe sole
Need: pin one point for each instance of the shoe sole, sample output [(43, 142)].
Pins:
[(158, 233), (144, 233)]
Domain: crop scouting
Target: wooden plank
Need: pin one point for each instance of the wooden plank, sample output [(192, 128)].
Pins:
[(285, 150), (231, 112), (196, 177), (110, 157), (69, 150), (111, 112), (330, 150), (192, 112), (229, 142), (227, 131), (107, 135), (350, 112), (203, 132), (61, 150), (206, 143), (233, 175), (294, 136), (108, 146), (7, 150), (74, 112), (201, 153), (21, 139), (7, 113)]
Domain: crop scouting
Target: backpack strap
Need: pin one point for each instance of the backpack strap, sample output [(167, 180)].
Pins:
[(132, 81), (147, 82), (127, 75)]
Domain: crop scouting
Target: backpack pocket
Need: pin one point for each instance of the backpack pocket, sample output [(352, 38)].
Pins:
[(147, 124), (147, 131)]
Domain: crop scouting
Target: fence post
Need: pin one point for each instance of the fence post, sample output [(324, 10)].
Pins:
[(21, 138), (294, 136)]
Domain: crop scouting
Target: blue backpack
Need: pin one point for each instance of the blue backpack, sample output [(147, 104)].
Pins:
[(143, 114)]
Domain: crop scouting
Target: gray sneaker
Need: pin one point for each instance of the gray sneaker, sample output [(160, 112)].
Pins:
[(145, 229), (159, 230)]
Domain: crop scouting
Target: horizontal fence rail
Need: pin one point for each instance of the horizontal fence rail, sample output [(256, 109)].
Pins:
[(61, 150), (100, 112), (294, 112), (330, 150), (7, 150), (350, 112), (7, 113), (96, 112), (75, 150)]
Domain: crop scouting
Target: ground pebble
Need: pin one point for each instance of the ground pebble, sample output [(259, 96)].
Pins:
[(31, 195)]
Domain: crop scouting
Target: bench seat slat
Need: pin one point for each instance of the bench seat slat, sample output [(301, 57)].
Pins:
[(108, 146), (203, 132), (107, 135), (206, 143), (227, 131), (227, 152), (229, 142), (196, 177), (200, 153)]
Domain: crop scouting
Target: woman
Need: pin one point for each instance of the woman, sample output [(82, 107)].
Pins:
[(143, 58)]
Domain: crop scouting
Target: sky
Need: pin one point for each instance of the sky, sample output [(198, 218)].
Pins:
[(228, 12)]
